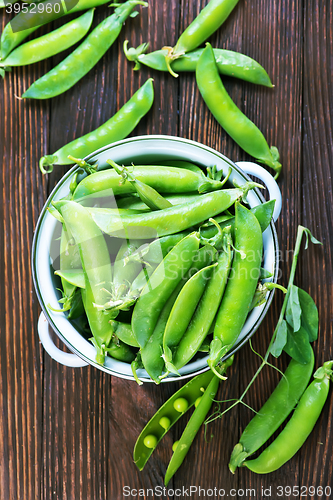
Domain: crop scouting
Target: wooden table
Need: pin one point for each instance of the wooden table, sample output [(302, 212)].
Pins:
[(69, 433)]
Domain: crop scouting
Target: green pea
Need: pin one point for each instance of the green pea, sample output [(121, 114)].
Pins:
[(197, 401), (174, 446), (180, 404), (150, 441), (165, 422)]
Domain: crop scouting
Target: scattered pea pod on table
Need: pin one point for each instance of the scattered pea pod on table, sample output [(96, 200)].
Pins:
[(298, 428), (23, 24), (116, 128), (202, 407), (242, 130), (204, 25), (83, 58), (241, 286), (50, 44), (228, 62)]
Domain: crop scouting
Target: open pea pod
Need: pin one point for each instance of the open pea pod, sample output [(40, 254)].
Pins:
[(197, 419), (167, 415)]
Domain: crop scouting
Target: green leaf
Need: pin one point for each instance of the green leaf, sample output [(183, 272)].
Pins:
[(280, 339), (294, 311), (298, 346), (310, 320)]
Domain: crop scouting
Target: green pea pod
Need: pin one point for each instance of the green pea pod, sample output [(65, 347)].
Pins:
[(151, 353), (77, 64), (155, 251), (184, 307), (52, 43), (183, 164), (228, 63), (134, 203), (202, 320), (170, 220), (192, 428), (97, 269), (147, 194), (274, 412), (163, 179), (25, 23), (242, 130), (160, 286), (116, 128), (121, 351), (124, 332), (190, 392), (241, 286), (298, 428), (204, 25), (74, 277), (263, 212), (77, 308)]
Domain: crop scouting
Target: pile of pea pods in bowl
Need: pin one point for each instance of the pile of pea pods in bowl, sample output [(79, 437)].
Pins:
[(135, 307)]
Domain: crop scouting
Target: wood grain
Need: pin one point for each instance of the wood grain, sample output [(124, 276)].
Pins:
[(68, 433)]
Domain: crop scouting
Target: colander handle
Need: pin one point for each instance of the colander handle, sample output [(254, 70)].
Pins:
[(252, 168), (64, 358)]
